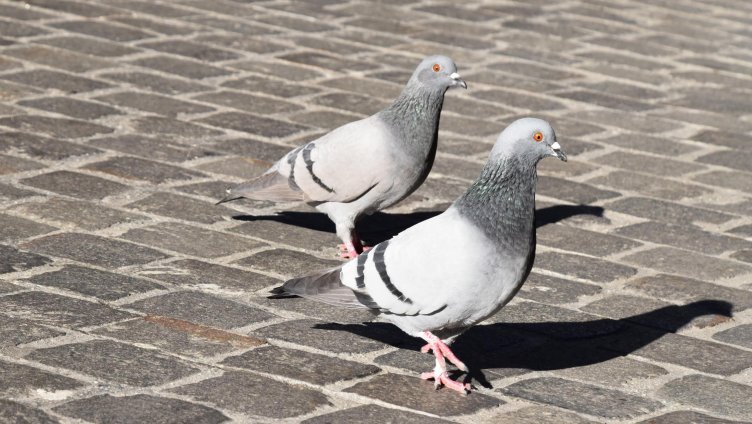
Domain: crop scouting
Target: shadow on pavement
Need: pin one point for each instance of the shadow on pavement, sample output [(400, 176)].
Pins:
[(515, 347), (382, 226)]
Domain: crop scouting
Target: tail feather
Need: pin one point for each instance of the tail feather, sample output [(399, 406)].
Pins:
[(272, 186), (326, 287)]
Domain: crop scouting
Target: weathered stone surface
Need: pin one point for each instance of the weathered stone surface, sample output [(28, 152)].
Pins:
[(547, 289), (671, 213), (193, 273), (683, 236), (253, 124), (76, 213), (96, 250), (324, 336), (683, 289), (616, 372), (176, 206), (55, 127), (75, 184), (596, 270), (57, 80), (14, 260), (300, 365), (740, 335), (191, 240), (685, 417), (42, 147), (14, 228), (141, 169), (201, 309), (583, 241), (373, 414), (712, 394), (22, 380), (255, 395), (533, 317), (289, 263), (154, 103), (139, 408), (74, 108), (538, 415), (675, 261), (414, 393), (47, 308), (94, 283), (582, 397), (112, 361), (17, 331), (11, 411)]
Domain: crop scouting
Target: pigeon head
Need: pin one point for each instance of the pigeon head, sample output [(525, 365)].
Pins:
[(529, 139), (437, 73)]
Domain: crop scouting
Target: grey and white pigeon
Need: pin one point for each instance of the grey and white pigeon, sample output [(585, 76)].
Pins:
[(443, 275), (366, 165)]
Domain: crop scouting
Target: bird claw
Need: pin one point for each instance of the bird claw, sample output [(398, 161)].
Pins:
[(441, 378), (350, 252), (445, 352)]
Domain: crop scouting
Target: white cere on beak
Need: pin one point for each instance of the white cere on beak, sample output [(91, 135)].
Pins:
[(556, 146), (455, 76)]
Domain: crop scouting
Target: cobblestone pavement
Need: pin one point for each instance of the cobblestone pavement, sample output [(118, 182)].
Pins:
[(125, 292)]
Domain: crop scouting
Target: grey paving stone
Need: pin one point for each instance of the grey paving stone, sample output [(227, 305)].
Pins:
[(420, 395), (248, 102), (711, 394), (373, 414), (103, 30), (648, 164), (196, 274), (41, 78), (671, 213), (76, 213), (241, 167), (687, 417), (313, 309), (17, 331), (583, 241), (76, 8), (21, 380), (42, 147), (531, 316), (300, 365), (683, 236), (552, 290), (142, 169), (92, 249), (95, 283), (732, 180), (279, 230), (723, 138), (154, 103), (255, 395), (617, 372), (252, 124), (252, 148), (156, 25), (176, 206), (724, 102), (605, 100), (55, 127), (72, 107), (581, 397), (89, 46), (14, 260), (324, 336), (64, 59), (11, 164), (740, 335), (176, 336), (19, 30), (185, 68), (242, 43), (112, 361), (156, 83), (52, 309), (701, 355), (651, 186), (149, 8), (14, 228), (11, 412), (584, 267), (570, 191), (271, 86), (638, 141), (75, 184), (289, 263), (139, 408), (682, 289), (682, 262), (190, 49), (729, 158), (324, 119), (21, 13), (202, 309), (538, 415), (153, 148), (191, 240)]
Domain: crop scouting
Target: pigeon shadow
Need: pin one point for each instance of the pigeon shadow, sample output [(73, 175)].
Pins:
[(380, 226), (502, 349)]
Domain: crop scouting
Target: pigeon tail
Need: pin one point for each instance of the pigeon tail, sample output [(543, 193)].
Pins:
[(272, 186), (325, 286)]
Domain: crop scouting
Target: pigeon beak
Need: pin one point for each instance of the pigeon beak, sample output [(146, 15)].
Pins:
[(458, 81), (556, 148)]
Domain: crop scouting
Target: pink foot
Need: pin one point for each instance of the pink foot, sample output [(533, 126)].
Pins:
[(442, 352), (351, 250)]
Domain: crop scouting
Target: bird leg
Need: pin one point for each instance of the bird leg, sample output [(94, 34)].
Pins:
[(442, 352), (352, 248)]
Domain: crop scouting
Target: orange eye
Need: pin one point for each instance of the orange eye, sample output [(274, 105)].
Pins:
[(538, 136), (436, 67)]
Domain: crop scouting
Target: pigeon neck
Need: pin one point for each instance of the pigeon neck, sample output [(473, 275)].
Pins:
[(415, 114), (501, 202)]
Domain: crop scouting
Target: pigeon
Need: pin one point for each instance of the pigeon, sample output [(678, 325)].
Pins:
[(441, 276), (366, 165)]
